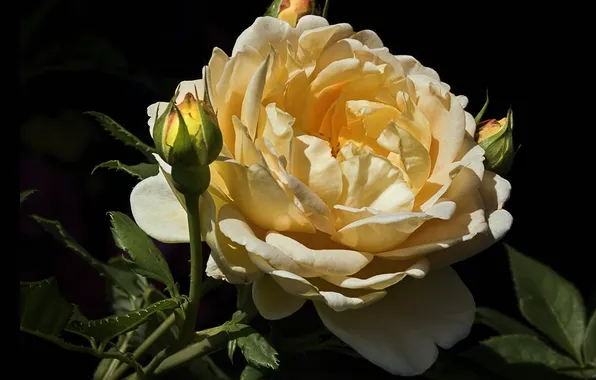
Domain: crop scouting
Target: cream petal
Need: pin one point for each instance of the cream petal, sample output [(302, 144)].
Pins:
[(259, 197), (470, 124), (194, 87), (446, 118), (272, 301), (467, 221), (310, 22), (381, 273), (231, 88), (413, 67), (212, 270), (373, 181), (245, 150), (499, 223), (385, 231), (278, 130), (158, 212), (368, 38), (312, 42), (251, 105), (263, 32), (217, 63), (463, 100), (400, 332), (314, 165), (495, 191), (415, 157), (229, 261), (233, 225), (325, 261), (307, 201)]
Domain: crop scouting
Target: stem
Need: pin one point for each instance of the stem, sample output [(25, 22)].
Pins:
[(196, 267), (165, 326), (205, 346), (73, 347), (114, 364)]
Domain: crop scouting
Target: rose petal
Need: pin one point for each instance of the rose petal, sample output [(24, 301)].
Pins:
[(325, 261), (230, 261), (368, 38), (400, 332), (158, 212), (468, 221), (233, 225), (231, 88), (245, 150), (446, 118), (384, 231), (381, 273), (313, 164), (495, 191), (373, 181), (251, 105), (272, 301), (259, 197)]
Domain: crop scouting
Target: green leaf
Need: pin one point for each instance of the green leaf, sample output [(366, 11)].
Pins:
[(255, 348), (549, 302), (140, 171), (120, 133), (25, 194), (129, 288), (42, 307), (519, 355), (232, 345), (251, 373), (478, 117), (501, 323), (590, 341), (273, 9), (61, 235), (107, 328), (147, 258)]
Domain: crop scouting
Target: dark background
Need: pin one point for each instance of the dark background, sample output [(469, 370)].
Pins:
[(119, 57)]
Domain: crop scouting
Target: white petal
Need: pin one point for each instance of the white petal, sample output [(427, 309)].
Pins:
[(495, 191), (400, 332), (272, 301), (158, 212), (381, 273), (325, 261), (264, 31), (368, 38), (499, 223)]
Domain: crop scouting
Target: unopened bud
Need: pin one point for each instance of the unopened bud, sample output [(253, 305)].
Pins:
[(290, 10), (496, 138)]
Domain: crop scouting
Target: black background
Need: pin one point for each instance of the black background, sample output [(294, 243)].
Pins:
[(119, 57)]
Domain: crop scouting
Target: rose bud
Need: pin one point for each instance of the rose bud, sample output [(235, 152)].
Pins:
[(495, 137), (188, 138), (290, 10)]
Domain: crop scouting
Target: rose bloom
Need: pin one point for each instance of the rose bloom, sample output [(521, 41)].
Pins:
[(349, 177)]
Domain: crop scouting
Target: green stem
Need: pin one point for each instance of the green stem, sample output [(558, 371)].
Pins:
[(114, 364), (159, 331), (326, 8), (205, 346), (73, 347), (196, 267)]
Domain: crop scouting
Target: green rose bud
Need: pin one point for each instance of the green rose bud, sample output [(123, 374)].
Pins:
[(188, 138), (496, 138), (290, 10)]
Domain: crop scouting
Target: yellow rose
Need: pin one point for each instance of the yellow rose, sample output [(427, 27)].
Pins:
[(350, 178)]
